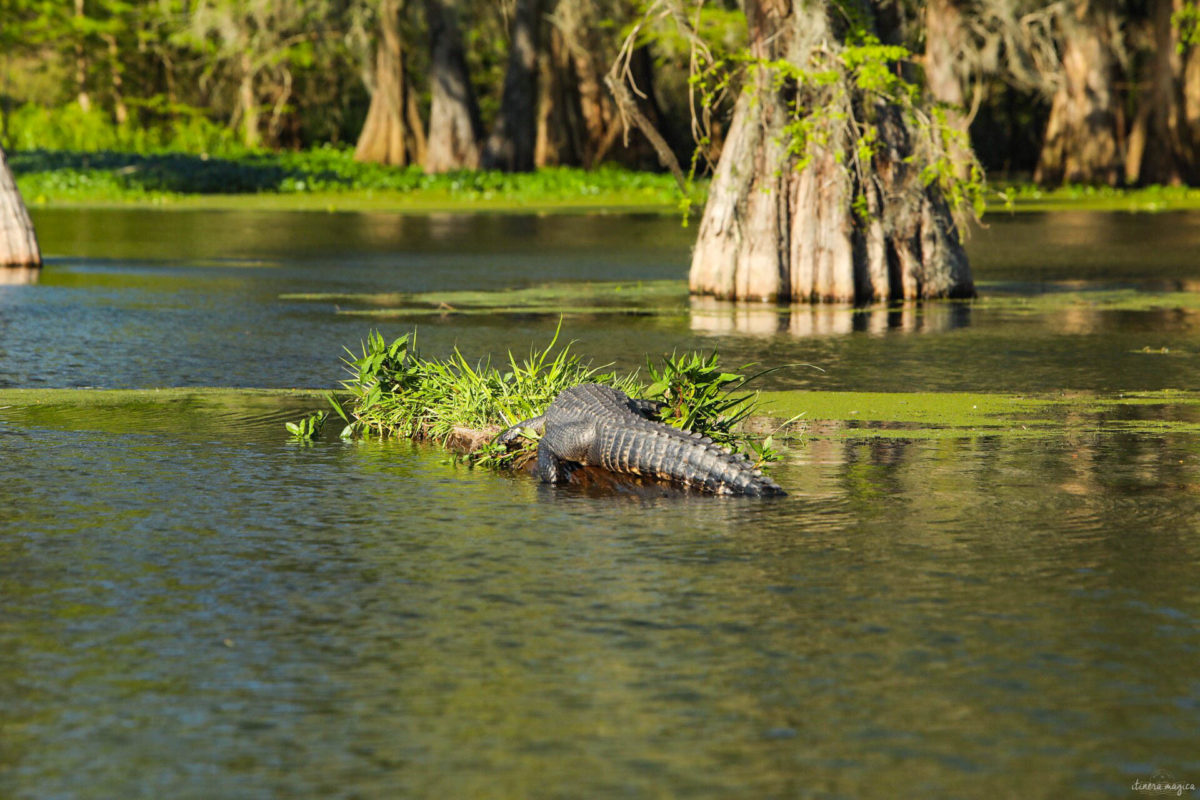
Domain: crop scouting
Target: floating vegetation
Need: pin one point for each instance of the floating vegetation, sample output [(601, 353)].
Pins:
[(1031, 197), (1101, 297), (954, 415), (656, 298)]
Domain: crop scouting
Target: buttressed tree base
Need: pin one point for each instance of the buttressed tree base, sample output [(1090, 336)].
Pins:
[(18, 244), (834, 183)]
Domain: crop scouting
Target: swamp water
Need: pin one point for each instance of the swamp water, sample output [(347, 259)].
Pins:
[(982, 584)]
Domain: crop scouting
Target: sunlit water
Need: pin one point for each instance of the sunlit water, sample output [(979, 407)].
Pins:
[(193, 606)]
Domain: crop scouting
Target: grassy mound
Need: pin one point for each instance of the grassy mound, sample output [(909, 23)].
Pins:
[(394, 391)]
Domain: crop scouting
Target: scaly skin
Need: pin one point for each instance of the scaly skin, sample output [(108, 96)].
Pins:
[(600, 426)]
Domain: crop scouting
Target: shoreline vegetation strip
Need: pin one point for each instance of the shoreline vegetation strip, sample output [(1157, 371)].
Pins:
[(330, 180)]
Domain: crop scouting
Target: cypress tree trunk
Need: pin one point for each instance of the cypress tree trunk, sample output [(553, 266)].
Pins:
[(1080, 144), (944, 40), (455, 131), (586, 52), (1169, 113), (510, 146), (392, 133), (117, 81), (247, 107), (561, 127), (81, 63), (18, 244), (784, 225)]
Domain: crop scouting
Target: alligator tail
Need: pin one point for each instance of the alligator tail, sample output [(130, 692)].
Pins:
[(671, 454)]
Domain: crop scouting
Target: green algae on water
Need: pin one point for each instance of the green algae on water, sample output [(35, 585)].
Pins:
[(662, 297)]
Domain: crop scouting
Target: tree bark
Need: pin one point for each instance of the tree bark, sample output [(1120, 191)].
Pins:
[(81, 64), (586, 51), (455, 131), (120, 111), (561, 128), (510, 147), (944, 40), (779, 226), (1080, 144), (247, 107), (18, 243), (392, 133), (1169, 112)]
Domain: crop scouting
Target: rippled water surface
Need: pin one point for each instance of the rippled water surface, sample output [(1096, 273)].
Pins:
[(192, 606)]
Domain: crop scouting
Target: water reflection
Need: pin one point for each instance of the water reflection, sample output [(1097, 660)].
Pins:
[(196, 604), (19, 276), (712, 316)]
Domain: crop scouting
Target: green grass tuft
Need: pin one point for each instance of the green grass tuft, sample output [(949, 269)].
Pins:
[(394, 391)]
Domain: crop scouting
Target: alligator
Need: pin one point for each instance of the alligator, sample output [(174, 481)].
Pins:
[(598, 426)]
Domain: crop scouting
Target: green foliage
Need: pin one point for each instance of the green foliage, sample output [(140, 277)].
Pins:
[(68, 174), (1186, 20), (394, 391), (692, 389), (835, 100), (1030, 197), (308, 428), (167, 128)]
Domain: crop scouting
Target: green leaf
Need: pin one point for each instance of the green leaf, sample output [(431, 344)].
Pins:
[(337, 407)]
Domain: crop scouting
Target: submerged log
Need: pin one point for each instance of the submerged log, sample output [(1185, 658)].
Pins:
[(18, 243)]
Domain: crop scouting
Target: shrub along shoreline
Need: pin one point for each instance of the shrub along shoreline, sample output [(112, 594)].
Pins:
[(329, 179)]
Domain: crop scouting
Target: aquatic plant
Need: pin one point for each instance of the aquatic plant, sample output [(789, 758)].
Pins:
[(308, 428), (394, 391)]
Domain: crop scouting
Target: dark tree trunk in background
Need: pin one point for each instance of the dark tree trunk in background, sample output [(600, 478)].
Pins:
[(393, 133), (18, 244), (584, 47), (510, 146), (455, 132), (561, 128), (117, 81), (247, 112), (774, 228), (944, 40), (1164, 144), (582, 50), (1080, 144)]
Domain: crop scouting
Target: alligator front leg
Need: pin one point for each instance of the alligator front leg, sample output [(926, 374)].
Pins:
[(561, 443), (537, 424), (549, 466)]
